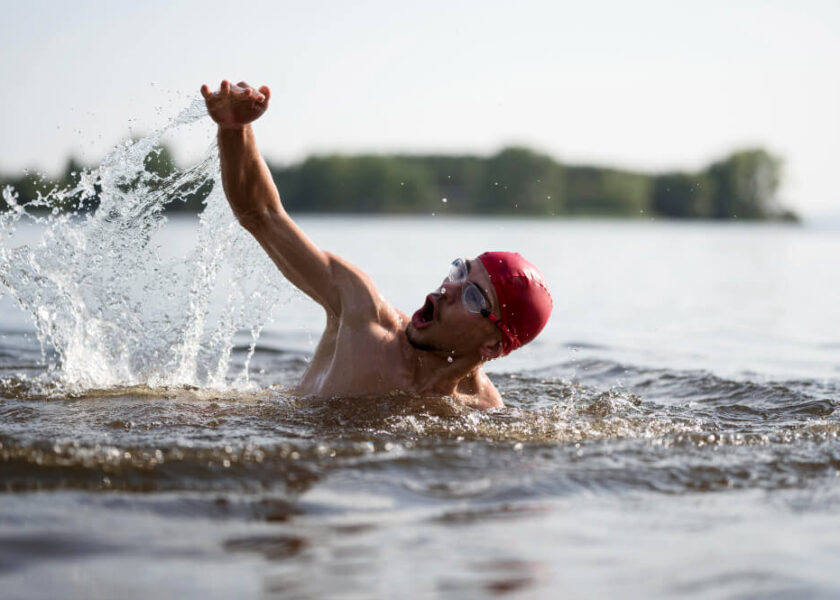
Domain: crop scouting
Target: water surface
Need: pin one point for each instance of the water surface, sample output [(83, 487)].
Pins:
[(672, 433)]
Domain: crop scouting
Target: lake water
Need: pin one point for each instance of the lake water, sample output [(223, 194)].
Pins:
[(672, 433)]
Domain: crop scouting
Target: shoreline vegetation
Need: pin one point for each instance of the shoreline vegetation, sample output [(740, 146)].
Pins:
[(514, 181)]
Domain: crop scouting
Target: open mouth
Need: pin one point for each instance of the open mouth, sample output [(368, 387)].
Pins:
[(425, 315)]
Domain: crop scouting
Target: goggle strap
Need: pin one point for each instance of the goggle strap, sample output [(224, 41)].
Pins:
[(514, 341)]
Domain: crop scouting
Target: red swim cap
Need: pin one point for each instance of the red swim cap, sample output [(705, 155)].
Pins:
[(524, 301)]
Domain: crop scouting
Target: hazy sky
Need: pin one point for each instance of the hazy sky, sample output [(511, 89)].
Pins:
[(644, 85)]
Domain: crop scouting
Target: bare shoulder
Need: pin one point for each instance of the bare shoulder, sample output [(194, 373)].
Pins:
[(361, 300), (479, 392)]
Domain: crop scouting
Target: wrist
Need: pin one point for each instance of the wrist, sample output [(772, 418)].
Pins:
[(235, 134), (234, 127)]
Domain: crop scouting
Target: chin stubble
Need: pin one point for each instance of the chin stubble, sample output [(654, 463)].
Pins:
[(414, 343)]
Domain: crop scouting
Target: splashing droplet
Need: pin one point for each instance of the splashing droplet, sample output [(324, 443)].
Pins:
[(102, 294)]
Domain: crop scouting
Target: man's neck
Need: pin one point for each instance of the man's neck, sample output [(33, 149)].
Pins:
[(433, 371)]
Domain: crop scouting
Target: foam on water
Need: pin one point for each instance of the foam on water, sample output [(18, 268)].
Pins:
[(104, 297)]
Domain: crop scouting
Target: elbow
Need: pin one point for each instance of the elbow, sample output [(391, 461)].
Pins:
[(255, 220), (251, 220)]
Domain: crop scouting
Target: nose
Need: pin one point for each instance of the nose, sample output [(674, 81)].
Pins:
[(448, 291)]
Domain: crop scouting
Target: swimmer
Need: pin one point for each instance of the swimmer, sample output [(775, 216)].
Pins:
[(484, 308)]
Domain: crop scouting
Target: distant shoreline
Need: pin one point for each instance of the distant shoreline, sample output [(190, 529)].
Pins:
[(513, 182)]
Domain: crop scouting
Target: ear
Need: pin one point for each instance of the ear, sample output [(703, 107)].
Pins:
[(492, 349)]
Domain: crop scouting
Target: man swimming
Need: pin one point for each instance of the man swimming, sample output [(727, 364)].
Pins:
[(485, 308)]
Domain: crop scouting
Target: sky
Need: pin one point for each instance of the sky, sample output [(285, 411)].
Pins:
[(647, 85)]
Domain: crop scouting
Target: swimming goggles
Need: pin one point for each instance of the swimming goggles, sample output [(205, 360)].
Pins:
[(474, 301), (472, 297)]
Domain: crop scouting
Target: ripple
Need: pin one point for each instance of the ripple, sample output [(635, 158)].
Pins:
[(668, 431)]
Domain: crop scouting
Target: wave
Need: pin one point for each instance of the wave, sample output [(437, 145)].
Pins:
[(661, 430)]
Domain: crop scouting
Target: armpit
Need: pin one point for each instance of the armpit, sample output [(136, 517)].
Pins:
[(360, 299)]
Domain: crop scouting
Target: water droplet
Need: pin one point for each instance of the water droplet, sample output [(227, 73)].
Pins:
[(449, 359), (443, 200), (108, 260)]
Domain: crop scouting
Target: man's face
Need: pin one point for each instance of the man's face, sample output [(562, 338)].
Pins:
[(445, 324)]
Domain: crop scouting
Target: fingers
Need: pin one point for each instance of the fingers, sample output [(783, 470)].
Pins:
[(240, 90), (238, 93), (258, 96), (243, 89)]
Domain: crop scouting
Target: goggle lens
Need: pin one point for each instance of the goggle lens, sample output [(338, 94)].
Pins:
[(458, 270), (473, 299)]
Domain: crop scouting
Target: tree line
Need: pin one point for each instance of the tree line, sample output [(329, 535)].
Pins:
[(515, 181)]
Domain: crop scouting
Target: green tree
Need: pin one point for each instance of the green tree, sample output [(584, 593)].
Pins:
[(682, 195), (600, 191), (459, 179), (745, 185), (367, 183), (518, 180)]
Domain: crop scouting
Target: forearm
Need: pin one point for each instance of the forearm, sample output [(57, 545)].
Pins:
[(247, 181), (255, 201)]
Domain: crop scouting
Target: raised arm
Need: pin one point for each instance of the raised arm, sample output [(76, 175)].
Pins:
[(254, 199)]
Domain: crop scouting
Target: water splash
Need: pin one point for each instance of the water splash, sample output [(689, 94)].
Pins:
[(104, 297)]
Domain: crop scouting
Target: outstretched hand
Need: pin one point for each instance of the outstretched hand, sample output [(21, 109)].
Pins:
[(233, 106)]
